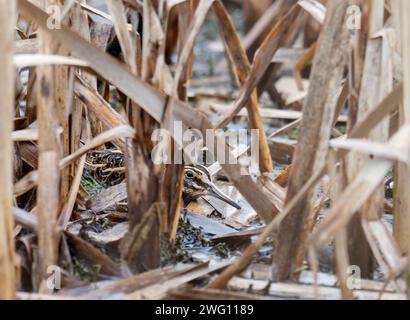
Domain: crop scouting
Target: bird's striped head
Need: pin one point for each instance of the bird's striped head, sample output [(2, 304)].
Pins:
[(198, 182)]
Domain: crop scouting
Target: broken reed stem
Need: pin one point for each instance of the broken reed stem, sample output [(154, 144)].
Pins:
[(143, 183), (48, 190), (61, 90), (7, 272), (317, 123)]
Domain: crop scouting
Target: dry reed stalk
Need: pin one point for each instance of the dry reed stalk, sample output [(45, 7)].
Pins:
[(401, 203), (359, 43), (159, 290), (173, 177), (68, 207), (259, 28), (7, 260), (261, 63), (239, 59), (341, 248), (143, 249), (267, 82), (318, 114), (358, 191), (403, 213), (48, 191), (81, 26), (135, 282), (107, 116), (61, 92), (375, 85)]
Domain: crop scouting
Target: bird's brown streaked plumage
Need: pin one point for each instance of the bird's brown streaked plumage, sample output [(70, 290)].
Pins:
[(198, 182)]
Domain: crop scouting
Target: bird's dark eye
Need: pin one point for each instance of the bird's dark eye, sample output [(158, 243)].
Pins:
[(189, 174)]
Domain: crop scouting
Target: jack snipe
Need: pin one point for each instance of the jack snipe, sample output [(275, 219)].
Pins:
[(198, 183)]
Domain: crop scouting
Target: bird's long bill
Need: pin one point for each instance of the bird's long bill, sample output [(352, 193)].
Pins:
[(216, 193)]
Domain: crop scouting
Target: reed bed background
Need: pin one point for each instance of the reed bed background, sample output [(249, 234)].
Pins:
[(83, 86)]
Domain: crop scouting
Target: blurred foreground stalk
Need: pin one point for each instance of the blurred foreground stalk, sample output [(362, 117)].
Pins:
[(7, 273)]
